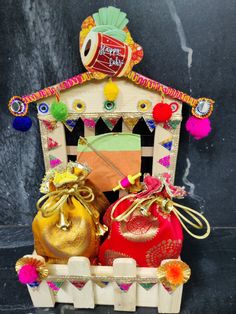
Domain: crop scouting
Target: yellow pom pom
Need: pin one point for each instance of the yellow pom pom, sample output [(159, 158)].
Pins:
[(111, 91)]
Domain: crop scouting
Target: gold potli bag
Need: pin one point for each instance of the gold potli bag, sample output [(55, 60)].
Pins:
[(67, 223)]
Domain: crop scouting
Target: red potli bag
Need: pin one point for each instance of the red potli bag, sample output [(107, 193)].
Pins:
[(147, 226)]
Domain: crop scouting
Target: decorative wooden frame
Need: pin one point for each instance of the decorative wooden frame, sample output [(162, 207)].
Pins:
[(90, 91)]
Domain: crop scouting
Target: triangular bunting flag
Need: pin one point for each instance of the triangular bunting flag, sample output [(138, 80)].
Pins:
[(79, 284), (169, 289), (90, 122), (51, 143), (172, 124), (110, 122), (54, 161), (147, 286), (124, 286), (166, 126), (102, 284), (49, 125), (150, 124), (167, 144), (130, 122), (165, 161), (55, 286), (71, 123), (34, 285)]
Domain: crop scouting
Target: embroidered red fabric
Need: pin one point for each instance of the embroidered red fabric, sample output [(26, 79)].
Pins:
[(147, 239)]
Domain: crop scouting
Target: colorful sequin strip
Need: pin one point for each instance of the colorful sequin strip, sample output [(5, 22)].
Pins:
[(50, 91), (133, 76), (168, 91)]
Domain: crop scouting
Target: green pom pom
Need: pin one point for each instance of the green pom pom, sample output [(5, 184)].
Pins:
[(59, 111)]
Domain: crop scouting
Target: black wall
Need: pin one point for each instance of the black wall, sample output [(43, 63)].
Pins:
[(39, 47)]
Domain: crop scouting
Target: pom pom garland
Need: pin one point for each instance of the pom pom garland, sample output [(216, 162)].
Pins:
[(28, 274), (59, 110), (111, 91), (198, 128), (161, 112), (22, 123)]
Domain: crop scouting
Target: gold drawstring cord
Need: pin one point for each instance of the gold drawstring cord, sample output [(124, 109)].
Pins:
[(167, 205), (83, 194)]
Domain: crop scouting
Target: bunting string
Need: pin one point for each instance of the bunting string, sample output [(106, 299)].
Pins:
[(110, 120), (105, 279)]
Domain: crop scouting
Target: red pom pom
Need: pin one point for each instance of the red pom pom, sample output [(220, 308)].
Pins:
[(198, 128), (162, 112), (28, 274)]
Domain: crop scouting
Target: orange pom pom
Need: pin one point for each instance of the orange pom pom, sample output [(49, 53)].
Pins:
[(174, 274)]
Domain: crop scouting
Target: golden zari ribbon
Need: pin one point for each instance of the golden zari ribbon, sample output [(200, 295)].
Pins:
[(53, 202), (167, 206)]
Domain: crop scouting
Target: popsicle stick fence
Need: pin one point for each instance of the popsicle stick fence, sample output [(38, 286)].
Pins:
[(123, 285)]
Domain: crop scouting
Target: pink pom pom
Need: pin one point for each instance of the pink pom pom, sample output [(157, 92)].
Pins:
[(198, 128), (27, 274)]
